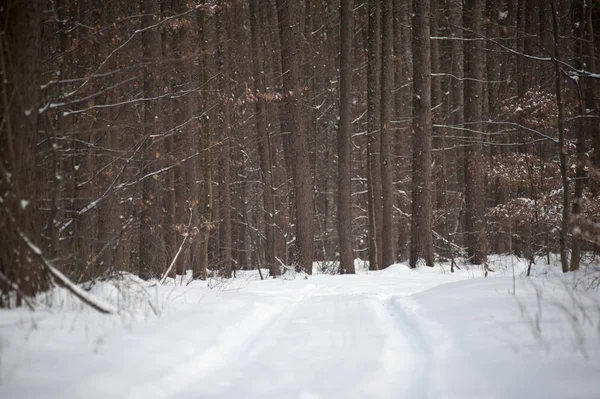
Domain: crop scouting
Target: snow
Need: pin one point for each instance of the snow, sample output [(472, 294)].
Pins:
[(395, 333)]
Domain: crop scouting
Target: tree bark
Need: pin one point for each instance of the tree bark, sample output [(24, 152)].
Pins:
[(151, 238), (564, 171), (374, 136), (387, 188), (343, 139), (421, 234), (225, 190), (289, 30), (202, 264), (264, 147), (473, 114), (20, 68)]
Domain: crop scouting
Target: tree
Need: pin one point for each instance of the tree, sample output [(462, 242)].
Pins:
[(145, 133), (374, 136), (343, 139), (561, 145), (21, 99), (387, 188), (264, 146), (421, 245), (473, 115), (151, 238), (225, 122), (206, 149), (291, 117)]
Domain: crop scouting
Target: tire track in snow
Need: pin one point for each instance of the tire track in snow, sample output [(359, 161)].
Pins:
[(402, 312), (346, 346), (202, 361)]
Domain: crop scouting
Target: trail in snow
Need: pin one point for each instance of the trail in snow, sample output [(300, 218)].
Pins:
[(396, 333), (324, 346)]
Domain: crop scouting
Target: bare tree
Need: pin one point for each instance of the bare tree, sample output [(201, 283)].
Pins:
[(225, 123), (289, 32), (387, 106), (264, 147), (151, 238), (344, 137), (421, 245), (473, 115), (374, 136), (206, 149)]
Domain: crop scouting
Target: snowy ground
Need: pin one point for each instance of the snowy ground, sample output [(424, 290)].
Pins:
[(397, 333)]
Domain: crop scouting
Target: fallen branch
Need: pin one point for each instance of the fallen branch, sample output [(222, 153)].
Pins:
[(166, 273), (57, 276)]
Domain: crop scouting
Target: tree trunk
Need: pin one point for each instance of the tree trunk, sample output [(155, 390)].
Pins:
[(387, 188), (20, 68), (202, 264), (374, 136), (289, 30), (474, 162), (564, 171), (580, 14), (225, 189), (151, 239), (457, 94), (264, 147), (343, 139), (421, 234), (403, 54)]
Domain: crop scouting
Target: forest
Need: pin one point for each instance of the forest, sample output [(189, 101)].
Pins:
[(155, 137)]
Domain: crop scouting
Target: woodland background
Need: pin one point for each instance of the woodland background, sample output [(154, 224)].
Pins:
[(153, 136)]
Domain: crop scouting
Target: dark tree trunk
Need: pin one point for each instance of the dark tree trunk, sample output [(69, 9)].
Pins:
[(20, 68), (201, 265), (521, 84), (225, 190), (421, 234), (457, 91), (403, 85), (374, 136), (289, 31), (264, 147), (387, 106), (474, 161), (151, 238), (344, 137), (564, 171)]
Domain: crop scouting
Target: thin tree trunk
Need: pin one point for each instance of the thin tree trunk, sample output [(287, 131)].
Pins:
[(202, 263), (564, 227), (344, 135), (374, 135), (387, 106), (403, 44), (580, 13), (225, 189)]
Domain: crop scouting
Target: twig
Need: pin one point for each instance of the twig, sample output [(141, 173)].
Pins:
[(166, 273)]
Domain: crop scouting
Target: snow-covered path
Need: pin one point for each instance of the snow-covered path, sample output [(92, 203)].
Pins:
[(391, 334), (315, 348)]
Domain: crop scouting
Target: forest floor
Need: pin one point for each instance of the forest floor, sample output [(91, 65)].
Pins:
[(396, 333)]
